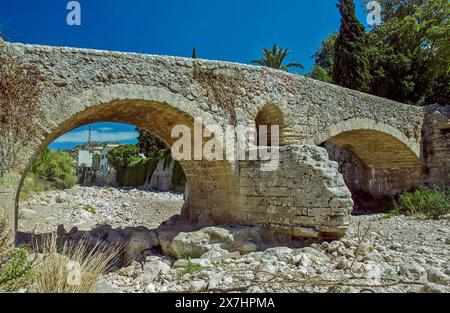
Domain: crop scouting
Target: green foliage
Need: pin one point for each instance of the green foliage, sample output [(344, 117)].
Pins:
[(424, 201), (392, 213), (89, 208), (351, 63), (178, 176), (275, 57), (194, 53), (7, 180), (320, 73), (148, 144), (325, 54), (323, 60), (410, 52), (56, 167), (123, 156), (190, 268), (16, 270), (33, 183), (96, 162), (136, 174)]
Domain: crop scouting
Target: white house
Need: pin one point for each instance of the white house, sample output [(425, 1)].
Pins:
[(104, 164), (84, 158)]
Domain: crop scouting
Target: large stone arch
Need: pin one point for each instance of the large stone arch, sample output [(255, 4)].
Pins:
[(376, 160), (212, 187)]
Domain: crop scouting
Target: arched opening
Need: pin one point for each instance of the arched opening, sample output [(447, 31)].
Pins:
[(267, 117), (105, 173), (209, 183), (376, 165)]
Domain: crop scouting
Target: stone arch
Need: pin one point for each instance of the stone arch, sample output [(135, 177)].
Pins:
[(376, 144), (376, 160), (211, 184), (270, 115)]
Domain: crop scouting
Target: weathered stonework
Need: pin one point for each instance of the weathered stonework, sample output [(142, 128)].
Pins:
[(157, 92), (305, 197), (436, 146)]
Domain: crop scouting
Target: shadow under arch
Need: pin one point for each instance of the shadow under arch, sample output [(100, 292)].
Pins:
[(211, 184), (270, 115), (377, 161)]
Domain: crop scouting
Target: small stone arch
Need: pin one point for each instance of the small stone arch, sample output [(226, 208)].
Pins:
[(270, 115)]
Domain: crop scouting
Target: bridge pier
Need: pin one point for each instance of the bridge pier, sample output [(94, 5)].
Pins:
[(306, 197)]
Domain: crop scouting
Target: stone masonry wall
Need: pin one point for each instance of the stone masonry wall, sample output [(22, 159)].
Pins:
[(373, 189), (436, 146), (305, 198)]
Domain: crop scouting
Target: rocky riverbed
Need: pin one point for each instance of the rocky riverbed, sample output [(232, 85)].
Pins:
[(398, 254)]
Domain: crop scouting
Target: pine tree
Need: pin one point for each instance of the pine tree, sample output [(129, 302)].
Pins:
[(351, 64), (194, 53)]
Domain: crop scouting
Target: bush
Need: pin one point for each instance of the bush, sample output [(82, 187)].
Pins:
[(56, 167), (33, 183), (189, 267), (123, 156), (137, 173), (16, 269), (424, 201)]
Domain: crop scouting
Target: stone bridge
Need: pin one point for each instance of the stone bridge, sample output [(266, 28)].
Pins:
[(382, 147)]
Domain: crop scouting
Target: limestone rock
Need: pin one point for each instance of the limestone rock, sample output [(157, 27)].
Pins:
[(139, 242), (436, 276)]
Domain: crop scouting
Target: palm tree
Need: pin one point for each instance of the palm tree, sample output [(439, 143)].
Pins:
[(274, 58)]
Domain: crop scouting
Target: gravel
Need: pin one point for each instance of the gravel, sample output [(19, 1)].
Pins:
[(399, 254)]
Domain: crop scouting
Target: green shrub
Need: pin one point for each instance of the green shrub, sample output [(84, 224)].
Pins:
[(178, 176), (137, 173), (424, 201), (56, 167), (190, 268), (89, 208), (33, 183), (6, 180), (123, 156), (16, 269)]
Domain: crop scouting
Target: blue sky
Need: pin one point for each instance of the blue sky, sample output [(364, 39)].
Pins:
[(101, 132), (231, 30)]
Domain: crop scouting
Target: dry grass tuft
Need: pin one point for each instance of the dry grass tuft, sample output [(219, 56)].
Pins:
[(70, 268)]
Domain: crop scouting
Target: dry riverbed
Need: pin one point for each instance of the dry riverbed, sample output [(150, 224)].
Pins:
[(399, 254)]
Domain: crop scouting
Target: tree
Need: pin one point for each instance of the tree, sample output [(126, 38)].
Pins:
[(194, 53), (410, 52), (275, 57), (320, 73), (148, 144), (325, 54), (123, 156), (96, 162), (351, 63), (56, 167), (323, 60)]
